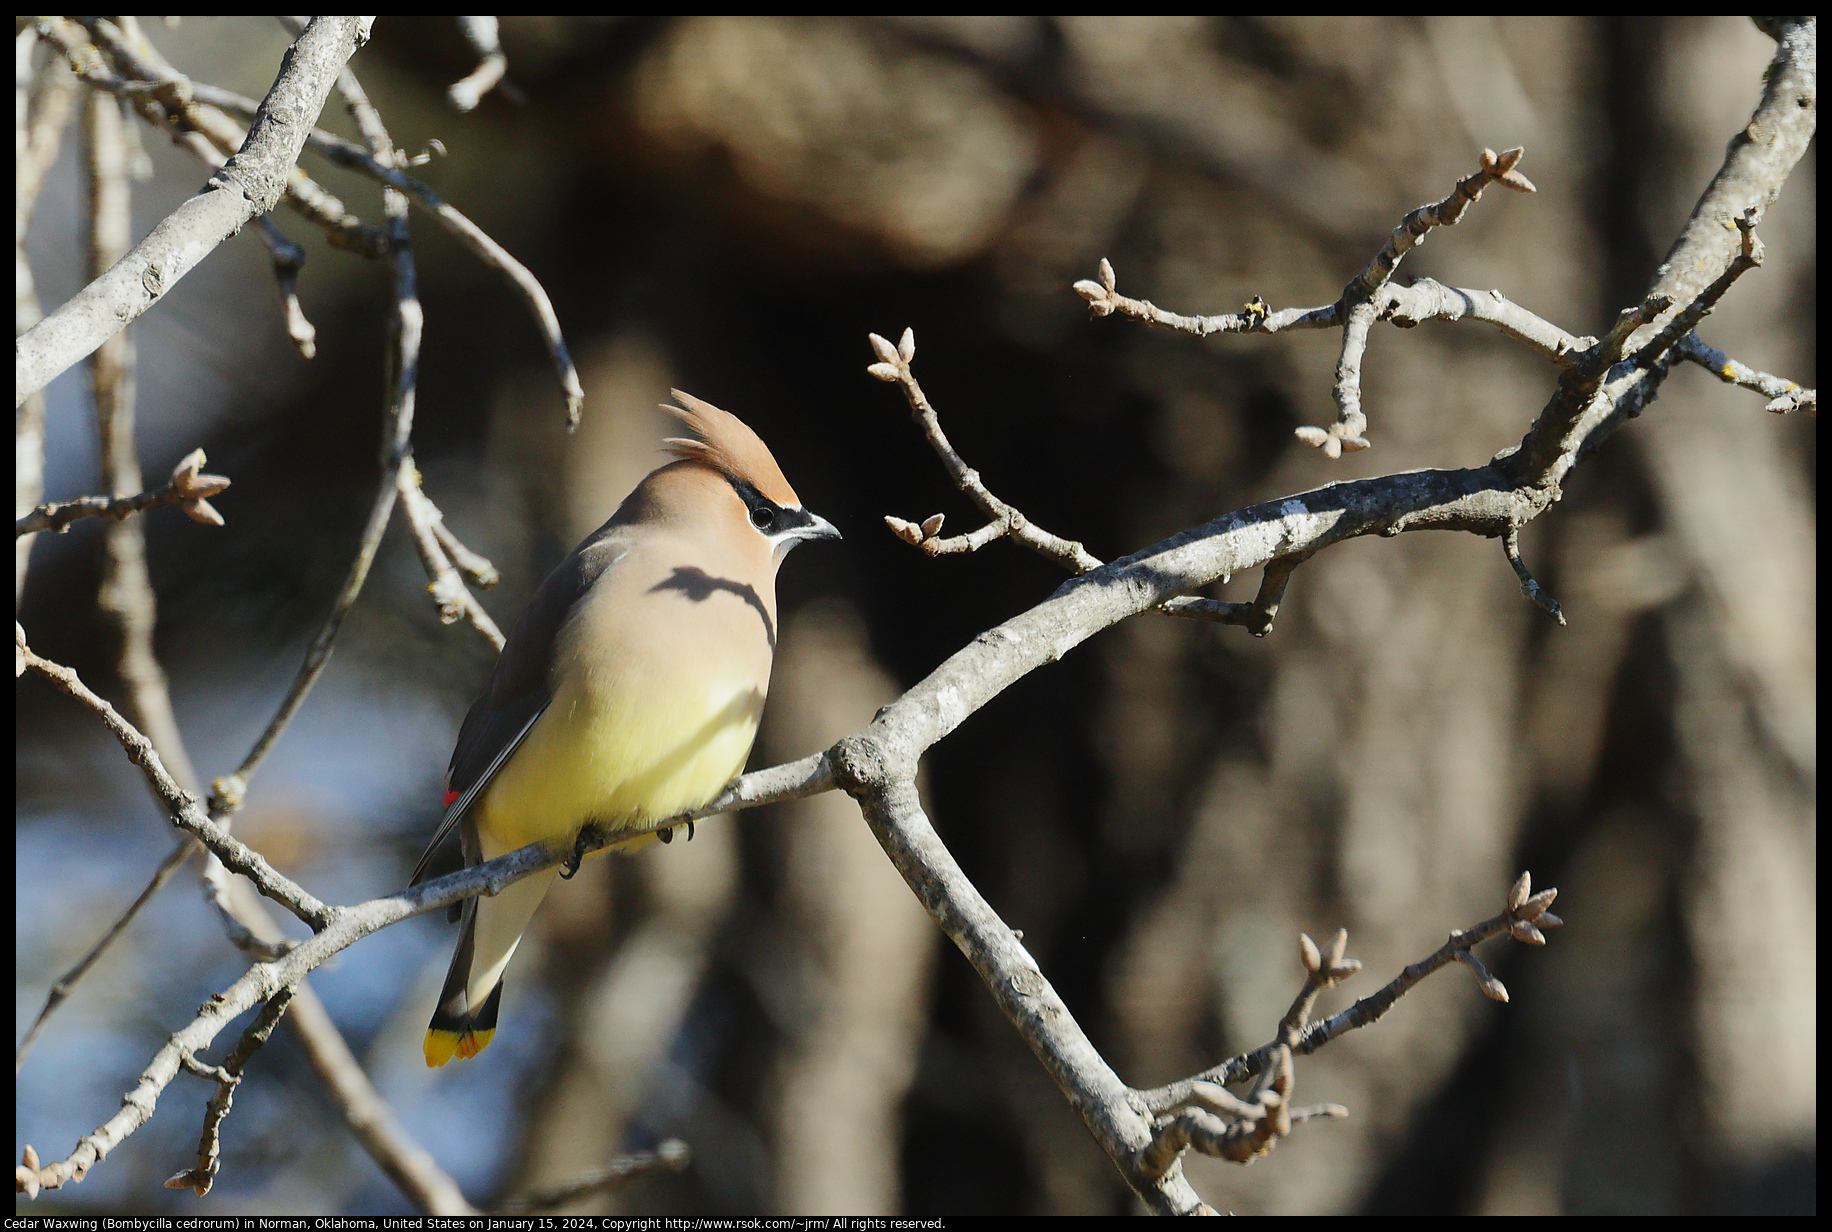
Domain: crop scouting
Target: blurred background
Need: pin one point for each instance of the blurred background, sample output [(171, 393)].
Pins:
[(730, 205)]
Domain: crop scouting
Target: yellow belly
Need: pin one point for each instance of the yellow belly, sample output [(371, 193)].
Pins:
[(626, 753)]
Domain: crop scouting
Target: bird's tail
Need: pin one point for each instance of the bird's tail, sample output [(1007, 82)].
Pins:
[(465, 1018), (457, 1032)]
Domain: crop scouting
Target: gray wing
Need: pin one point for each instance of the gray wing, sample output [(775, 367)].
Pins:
[(520, 686)]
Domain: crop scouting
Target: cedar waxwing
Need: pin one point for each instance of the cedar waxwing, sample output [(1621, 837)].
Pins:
[(628, 692)]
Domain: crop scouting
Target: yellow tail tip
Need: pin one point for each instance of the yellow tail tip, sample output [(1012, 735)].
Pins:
[(442, 1046)]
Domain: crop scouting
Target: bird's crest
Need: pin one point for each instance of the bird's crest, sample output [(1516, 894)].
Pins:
[(728, 445)]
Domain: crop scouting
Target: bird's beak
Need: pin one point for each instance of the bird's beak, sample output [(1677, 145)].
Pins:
[(813, 527), (818, 528)]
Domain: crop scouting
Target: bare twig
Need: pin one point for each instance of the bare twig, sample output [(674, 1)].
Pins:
[(1346, 433), (167, 99), (473, 565), (1430, 300), (1004, 520), (183, 808), (431, 539), (1412, 230), (248, 185), (485, 39), (448, 589), (1784, 396), (1425, 300), (202, 1175), (1510, 544), (1367, 298), (289, 259), (1192, 1118), (349, 154), (1523, 917), (66, 983), (1254, 318), (671, 1155), (44, 102), (1359, 305), (188, 489), (1748, 257)]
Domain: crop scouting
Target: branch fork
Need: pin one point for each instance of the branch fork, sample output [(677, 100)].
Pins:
[(1007, 521), (1200, 1114)]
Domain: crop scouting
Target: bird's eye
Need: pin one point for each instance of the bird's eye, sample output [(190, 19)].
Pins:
[(762, 517)]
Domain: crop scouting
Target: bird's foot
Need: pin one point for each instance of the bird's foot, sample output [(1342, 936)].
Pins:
[(589, 840), (667, 836)]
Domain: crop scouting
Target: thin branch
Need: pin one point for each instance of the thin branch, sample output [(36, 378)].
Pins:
[(1430, 300), (671, 1155), (248, 185), (202, 1175), (166, 99), (66, 983), (1412, 230), (455, 600), (1748, 257), (1367, 298), (289, 259), (1244, 1140), (352, 156), (1784, 396), (1254, 318), (473, 565), (183, 808), (341, 928), (1524, 915), (188, 488), (1359, 305), (1346, 433), (1510, 544), (1425, 300), (485, 39), (1007, 521), (1266, 1114)]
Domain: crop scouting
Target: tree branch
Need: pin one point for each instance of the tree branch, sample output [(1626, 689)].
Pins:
[(249, 184), (188, 488)]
